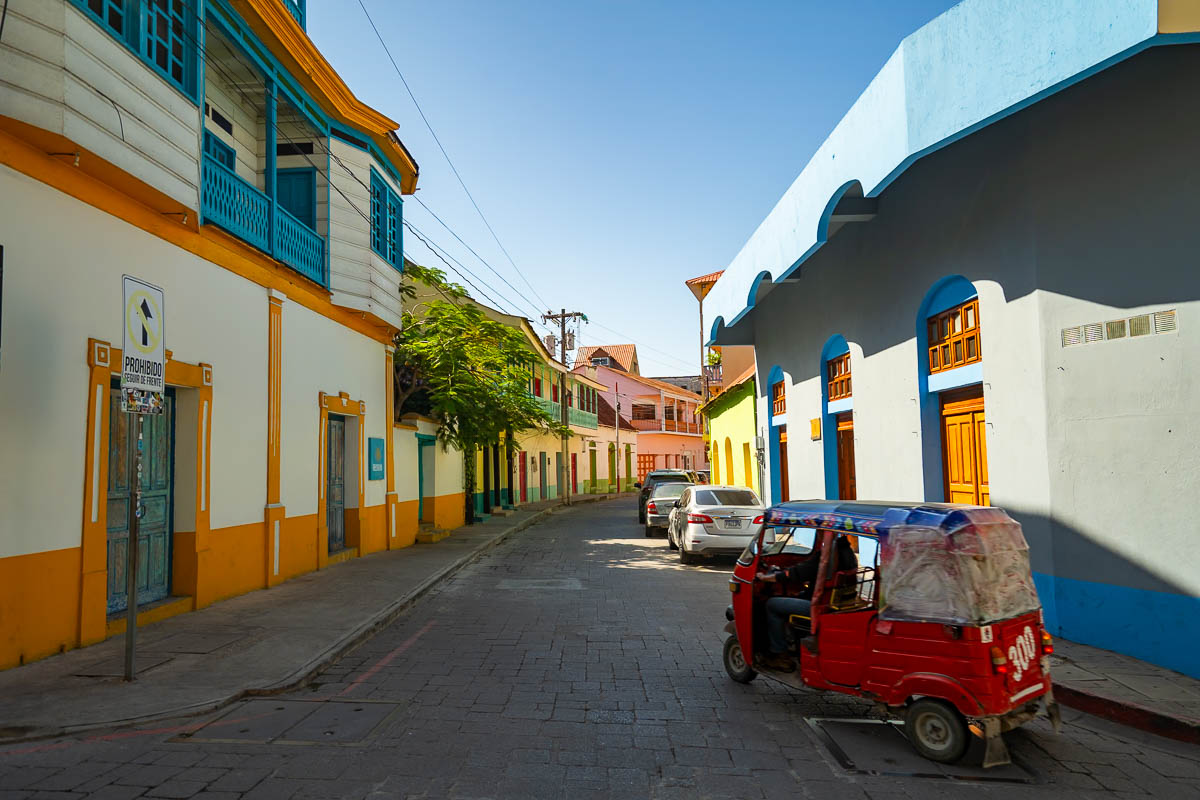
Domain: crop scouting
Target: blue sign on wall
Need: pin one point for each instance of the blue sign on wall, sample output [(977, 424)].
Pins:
[(375, 456)]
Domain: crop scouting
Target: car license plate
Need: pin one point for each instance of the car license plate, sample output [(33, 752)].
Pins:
[(732, 523)]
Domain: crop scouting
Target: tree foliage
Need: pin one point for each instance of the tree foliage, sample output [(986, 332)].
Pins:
[(468, 372)]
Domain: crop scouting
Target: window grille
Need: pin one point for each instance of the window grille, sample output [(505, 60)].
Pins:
[(839, 377), (161, 32), (954, 339), (778, 399)]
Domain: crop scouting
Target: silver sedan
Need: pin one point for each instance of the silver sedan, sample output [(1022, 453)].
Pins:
[(714, 520), (660, 505)]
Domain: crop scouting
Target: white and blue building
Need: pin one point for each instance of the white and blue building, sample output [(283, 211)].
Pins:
[(983, 288)]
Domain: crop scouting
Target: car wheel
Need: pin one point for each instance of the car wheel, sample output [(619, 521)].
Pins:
[(684, 556), (735, 662), (936, 730), (649, 531), (671, 539), (641, 517)]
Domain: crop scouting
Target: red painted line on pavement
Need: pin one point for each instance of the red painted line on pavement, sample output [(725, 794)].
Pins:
[(383, 662)]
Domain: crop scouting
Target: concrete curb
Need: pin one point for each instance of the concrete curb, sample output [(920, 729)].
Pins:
[(1130, 714), (307, 671)]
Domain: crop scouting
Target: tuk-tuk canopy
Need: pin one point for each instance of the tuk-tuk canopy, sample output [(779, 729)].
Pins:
[(953, 564)]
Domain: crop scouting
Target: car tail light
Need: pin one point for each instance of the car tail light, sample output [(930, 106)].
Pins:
[(758, 520), (700, 519), (999, 662), (1047, 643), (652, 508)]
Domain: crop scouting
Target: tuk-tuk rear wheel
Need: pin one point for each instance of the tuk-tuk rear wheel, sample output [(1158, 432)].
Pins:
[(735, 662), (937, 730)]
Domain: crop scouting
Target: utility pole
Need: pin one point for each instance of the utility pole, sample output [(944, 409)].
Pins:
[(564, 468)]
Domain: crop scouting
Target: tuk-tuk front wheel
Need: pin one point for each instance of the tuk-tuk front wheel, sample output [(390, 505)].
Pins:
[(735, 662), (937, 730)]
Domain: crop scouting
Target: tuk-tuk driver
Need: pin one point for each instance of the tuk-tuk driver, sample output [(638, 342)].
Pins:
[(781, 607)]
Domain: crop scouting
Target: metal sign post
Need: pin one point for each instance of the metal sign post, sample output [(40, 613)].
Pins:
[(143, 383)]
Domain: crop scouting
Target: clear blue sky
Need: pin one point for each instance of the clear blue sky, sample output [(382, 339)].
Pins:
[(617, 147)]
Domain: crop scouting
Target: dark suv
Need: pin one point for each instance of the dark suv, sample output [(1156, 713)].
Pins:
[(656, 477)]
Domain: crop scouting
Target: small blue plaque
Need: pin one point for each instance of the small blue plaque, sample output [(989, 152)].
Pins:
[(376, 452)]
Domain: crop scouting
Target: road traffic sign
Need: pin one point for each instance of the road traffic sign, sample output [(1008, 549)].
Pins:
[(143, 357)]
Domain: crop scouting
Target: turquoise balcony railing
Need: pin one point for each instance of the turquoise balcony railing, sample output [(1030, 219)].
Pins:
[(550, 407), (239, 207), (235, 204), (297, 9), (299, 246), (584, 419)]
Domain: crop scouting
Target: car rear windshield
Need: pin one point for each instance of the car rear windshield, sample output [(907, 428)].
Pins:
[(669, 489), (727, 497), (675, 477)]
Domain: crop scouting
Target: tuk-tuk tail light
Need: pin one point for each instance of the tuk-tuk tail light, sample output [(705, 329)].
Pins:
[(734, 587), (999, 661), (1047, 643)]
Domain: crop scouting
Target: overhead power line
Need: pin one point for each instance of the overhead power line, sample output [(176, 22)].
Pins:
[(453, 169)]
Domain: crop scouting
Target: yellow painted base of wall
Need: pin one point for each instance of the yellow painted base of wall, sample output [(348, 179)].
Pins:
[(342, 556), (406, 524), (449, 510), (171, 607), (432, 535), (40, 605)]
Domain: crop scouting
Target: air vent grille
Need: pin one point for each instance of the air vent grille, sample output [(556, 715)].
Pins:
[(1141, 325)]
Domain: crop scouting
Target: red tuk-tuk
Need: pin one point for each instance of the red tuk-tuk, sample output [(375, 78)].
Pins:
[(943, 625)]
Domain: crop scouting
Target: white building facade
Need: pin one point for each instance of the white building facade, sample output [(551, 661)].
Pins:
[(982, 289), (214, 154)]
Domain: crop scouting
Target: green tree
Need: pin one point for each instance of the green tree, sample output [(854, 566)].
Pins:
[(468, 372)]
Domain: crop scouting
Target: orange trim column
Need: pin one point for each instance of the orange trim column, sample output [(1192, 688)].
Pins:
[(204, 595), (322, 507), (93, 589), (275, 512), (392, 500)]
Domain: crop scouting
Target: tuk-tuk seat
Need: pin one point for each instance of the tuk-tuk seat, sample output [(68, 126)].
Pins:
[(851, 591)]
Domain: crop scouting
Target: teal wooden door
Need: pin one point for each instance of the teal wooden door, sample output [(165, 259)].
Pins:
[(296, 192), (154, 534), (335, 488)]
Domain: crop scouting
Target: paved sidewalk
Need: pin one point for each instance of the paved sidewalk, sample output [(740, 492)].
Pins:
[(1125, 690), (258, 643)]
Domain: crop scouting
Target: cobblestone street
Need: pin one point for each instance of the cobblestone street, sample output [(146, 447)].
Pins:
[(579, 659)]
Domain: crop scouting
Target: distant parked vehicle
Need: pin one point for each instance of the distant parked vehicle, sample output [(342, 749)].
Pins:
[(661, 504), (654, 478), (714, 520), (703, 476)]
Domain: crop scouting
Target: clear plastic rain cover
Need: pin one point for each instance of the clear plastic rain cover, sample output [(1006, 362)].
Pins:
[(974, 572)]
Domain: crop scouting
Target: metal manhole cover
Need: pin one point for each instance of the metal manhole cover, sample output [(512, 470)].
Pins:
[(297, 722), (561, 584), (879, 747)]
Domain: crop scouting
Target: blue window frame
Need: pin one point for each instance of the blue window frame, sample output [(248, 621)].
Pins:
[(222, 153), (162, 32), (387, 215)]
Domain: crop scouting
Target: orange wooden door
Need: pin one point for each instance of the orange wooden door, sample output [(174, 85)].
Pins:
[(847, 486), (783, 465), (964, 448)]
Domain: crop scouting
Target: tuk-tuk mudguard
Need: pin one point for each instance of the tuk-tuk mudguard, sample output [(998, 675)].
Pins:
[(931, 684)]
